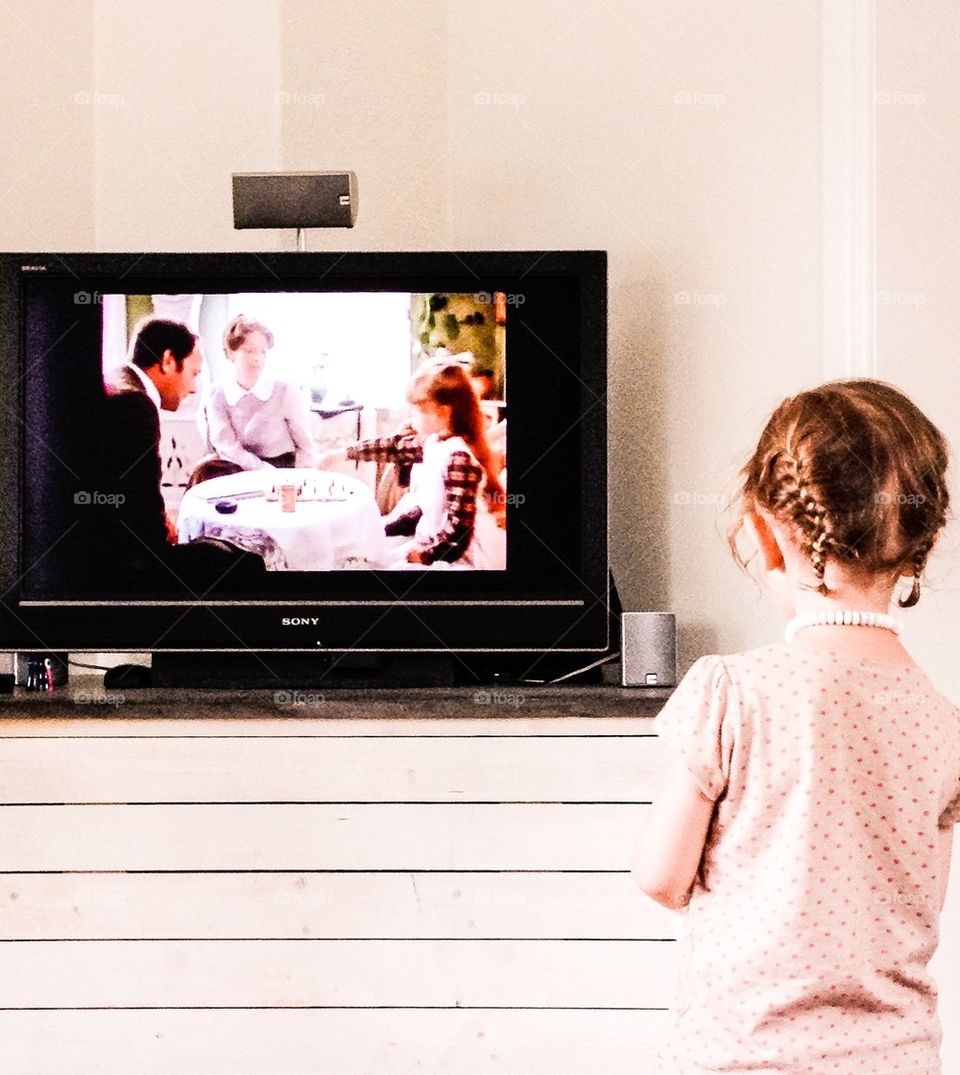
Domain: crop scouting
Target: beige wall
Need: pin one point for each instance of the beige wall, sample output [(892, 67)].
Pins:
[(365, 89), (684, 139), (918, 267), (189, 93), (47, 110)]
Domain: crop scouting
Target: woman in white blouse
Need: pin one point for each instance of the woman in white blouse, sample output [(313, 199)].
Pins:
[(254, 420)]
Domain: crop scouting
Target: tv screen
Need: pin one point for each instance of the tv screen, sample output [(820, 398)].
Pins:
[(303, 452)]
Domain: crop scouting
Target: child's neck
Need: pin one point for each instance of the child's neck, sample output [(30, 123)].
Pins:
[(870, 643)]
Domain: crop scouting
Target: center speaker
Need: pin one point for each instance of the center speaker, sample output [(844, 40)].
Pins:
[(294, 199)]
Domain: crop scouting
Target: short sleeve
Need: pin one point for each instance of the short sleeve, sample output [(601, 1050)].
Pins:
[(698, 724), (950, 744), (950, 814)]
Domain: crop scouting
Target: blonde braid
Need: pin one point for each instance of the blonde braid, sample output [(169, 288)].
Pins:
[(816, 519), (920, 555), (809, 516)]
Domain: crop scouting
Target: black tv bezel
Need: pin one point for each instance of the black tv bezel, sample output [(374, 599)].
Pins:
[(575, 620)]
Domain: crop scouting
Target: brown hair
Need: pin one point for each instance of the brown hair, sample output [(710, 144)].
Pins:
[(236, 333), (857, 471), (449, 386)]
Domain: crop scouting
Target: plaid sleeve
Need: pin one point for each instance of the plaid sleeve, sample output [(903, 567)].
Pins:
[(461, 483), (400, 449)]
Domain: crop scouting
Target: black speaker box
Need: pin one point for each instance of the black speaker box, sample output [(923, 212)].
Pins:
[(294, 199)]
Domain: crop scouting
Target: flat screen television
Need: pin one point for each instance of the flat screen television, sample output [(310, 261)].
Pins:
[(515, 571)]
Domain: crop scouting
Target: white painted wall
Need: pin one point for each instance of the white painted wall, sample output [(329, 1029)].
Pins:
[(47, 111), (683, 138), (366, 84), (918, 266), (188, 92)]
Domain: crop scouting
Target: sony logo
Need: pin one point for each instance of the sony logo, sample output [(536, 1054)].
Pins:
[(299, 621)]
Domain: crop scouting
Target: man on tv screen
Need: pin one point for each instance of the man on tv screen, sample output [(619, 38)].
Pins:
[(165, 361)]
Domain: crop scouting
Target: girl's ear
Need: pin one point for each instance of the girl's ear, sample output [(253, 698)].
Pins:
[(771, 555)]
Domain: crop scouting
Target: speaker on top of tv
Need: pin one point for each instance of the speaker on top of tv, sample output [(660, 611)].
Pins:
[(294, 199)]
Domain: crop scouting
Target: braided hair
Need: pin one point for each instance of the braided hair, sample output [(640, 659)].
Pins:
[(857, 473)]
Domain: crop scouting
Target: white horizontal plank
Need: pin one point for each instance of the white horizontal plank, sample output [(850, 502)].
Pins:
[(506, 905), (137, 721), (330, 1042), (307, 837), (566, 769), (463, 974)]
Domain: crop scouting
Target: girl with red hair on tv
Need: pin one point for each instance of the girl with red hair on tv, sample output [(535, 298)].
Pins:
[(451, 461)]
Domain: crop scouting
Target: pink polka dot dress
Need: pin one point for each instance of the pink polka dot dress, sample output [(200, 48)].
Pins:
[(805, 945)]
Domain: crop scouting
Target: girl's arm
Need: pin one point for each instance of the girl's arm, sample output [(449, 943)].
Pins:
[(670, 844), (402, 450)]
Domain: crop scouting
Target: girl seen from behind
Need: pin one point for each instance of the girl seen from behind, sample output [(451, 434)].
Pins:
[(807, 820)]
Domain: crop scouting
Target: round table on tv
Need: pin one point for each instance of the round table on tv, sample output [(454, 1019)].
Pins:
[(335, 525)]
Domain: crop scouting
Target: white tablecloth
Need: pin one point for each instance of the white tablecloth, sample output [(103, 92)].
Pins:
[(336, 524)]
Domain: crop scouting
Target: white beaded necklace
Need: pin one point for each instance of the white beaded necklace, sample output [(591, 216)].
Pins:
[(842, 618)]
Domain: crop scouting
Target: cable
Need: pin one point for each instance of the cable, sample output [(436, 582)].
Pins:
[(587, 667)]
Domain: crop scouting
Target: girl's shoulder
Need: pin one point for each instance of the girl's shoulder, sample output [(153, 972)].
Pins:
[(455, 444), (782, 667), (447, 447)]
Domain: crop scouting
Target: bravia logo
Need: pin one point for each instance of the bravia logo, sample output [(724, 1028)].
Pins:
[(299, 621)]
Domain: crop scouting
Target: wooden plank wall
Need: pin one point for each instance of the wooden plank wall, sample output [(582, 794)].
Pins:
[(304, 896)]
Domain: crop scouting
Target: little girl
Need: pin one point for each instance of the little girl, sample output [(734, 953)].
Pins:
[(807, 820), (449, 459)]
